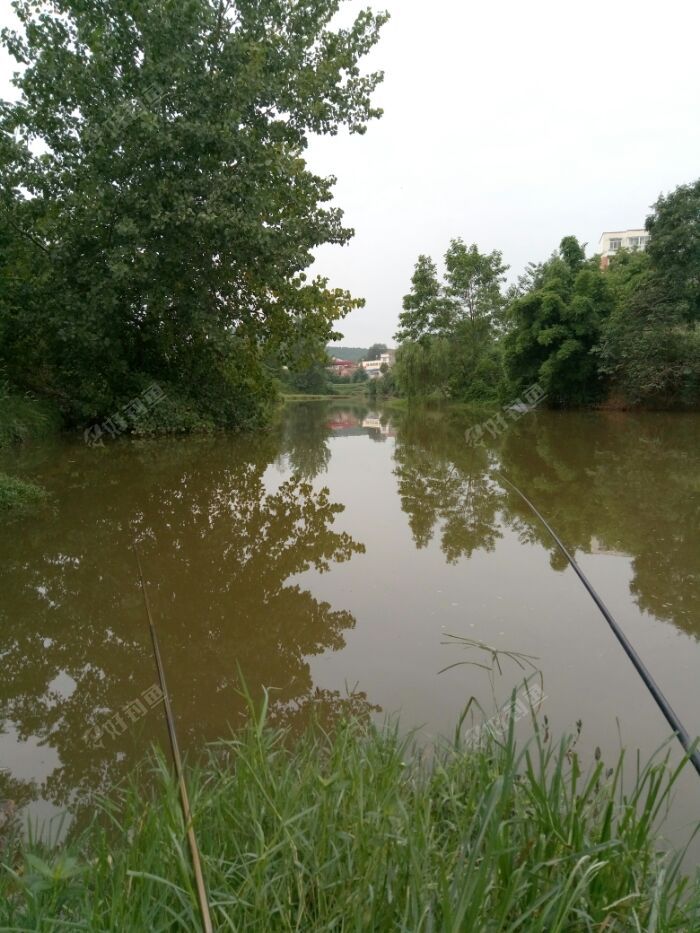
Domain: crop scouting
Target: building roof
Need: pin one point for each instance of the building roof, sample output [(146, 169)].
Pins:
[(621, 232)]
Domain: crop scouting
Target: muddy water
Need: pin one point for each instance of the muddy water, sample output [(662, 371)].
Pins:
[(330, 560)]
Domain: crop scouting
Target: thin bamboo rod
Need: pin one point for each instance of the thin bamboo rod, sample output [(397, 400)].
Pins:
[(175, 749)]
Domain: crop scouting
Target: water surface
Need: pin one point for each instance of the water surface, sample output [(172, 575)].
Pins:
[(328, 561)]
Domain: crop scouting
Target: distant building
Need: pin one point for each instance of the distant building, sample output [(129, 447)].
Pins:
[(373, 368), (614, 240), (341, 367)]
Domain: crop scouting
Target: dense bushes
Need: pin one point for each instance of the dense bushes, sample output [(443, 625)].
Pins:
[(555, 325)]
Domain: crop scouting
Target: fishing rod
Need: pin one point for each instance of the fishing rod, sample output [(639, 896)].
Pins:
[(175, 749), (680, 731)]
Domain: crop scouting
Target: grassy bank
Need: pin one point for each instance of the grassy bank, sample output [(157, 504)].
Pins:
[(21, 420), (19, 494), (355, 831), (437, 403), (25, 419), (355, 392)]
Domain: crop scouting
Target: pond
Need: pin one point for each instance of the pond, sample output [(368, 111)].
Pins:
[(329, 560)]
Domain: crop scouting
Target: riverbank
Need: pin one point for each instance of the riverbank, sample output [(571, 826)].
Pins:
[(356, 829), (23, 420), (432, 401), (356, 392), (614, 404)]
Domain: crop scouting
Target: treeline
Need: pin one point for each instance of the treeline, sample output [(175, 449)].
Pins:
[(627, 334), (312, 373), (157, 214)]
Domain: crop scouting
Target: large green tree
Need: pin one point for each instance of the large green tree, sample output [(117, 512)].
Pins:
[(474, 282), (158, 214), (423, 366), (650, 344), (674, 247), (555, 326), (473, 286), (424, 307), (448, 329), (376, 350)]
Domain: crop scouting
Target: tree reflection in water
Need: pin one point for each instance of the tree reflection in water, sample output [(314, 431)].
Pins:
[(219, 549), (224, 536), (623, 483), (444, 484)]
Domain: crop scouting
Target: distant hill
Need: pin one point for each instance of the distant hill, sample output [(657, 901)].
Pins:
[(348, 353)]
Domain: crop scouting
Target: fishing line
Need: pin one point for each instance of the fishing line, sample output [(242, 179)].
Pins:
[(661, 701), (175, 749)]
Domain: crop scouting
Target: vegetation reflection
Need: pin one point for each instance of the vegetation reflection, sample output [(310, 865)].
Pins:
[(220, 549), (607, 482)]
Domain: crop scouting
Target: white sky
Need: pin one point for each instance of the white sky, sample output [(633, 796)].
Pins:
[(510, 124)]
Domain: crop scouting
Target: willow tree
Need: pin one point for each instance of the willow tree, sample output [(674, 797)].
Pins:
[(155, 193)]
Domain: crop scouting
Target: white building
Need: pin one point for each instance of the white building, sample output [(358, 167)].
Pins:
[(613, 240), (373, 367)]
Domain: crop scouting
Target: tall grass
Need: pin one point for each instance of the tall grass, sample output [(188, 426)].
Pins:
[(23, 418), (358, 831), (19, 494)]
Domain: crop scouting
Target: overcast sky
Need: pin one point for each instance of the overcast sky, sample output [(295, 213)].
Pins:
[(511, 124)]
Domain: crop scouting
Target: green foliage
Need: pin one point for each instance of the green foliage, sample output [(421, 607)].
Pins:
[(554, 327), (650, 345), (650, 353), (627, 270), (19, 494), (306, 371), (350, 828), (338, 380), (422, 366), (163, 232), (674, 247), (582, 333), (448, 332), (311, 381), (475, 364), (572, 252), (382, 387), (23, 419), (360, 375), (474, 281), (376, 350), (424, 306)]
